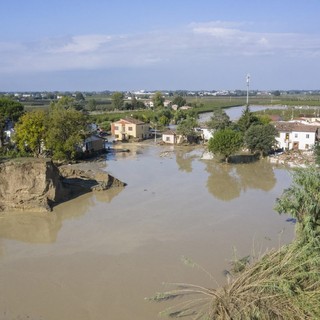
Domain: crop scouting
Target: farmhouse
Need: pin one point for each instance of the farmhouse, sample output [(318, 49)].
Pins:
[(127, 128), (296, 135), (93, 144)]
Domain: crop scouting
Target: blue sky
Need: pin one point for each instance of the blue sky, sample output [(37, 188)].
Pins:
[(178, 44)]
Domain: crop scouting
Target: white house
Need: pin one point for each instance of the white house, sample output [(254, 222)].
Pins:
[(206, 133), (171, 136), (296, 135)]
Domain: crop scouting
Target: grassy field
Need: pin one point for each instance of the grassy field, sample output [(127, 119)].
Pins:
[(203, 104)]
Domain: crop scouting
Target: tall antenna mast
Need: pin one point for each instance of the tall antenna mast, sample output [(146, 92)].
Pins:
[(248, 84)]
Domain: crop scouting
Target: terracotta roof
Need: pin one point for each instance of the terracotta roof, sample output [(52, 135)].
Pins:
[(285, 126), (170, 132), (130, 120)]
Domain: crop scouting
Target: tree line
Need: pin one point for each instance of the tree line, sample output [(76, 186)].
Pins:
[(252, 132), (55, 132)]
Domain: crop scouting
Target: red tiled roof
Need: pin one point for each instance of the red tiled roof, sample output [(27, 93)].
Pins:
[(130, 120), (170, 132)]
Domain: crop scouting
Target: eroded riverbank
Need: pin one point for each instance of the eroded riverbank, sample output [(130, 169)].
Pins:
[(98, 256)]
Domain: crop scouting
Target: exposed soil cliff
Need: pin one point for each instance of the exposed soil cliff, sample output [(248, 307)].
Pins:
[(37, 184)]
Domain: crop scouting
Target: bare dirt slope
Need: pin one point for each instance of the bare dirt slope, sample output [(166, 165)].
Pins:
[(38, 184)]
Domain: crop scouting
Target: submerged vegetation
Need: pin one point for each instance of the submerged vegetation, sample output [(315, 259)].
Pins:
[(282, 284)]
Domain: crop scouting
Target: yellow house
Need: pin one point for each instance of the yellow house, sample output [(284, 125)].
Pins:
[(127, 128)]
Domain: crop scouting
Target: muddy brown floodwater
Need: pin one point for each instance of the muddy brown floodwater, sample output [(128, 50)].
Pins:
[(97, 257)]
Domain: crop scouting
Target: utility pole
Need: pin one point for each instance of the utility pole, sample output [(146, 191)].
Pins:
[(248, 83)]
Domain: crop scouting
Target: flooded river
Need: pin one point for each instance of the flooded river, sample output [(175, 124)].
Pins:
[(97, 257)]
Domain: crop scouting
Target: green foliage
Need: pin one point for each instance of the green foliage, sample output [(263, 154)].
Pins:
[(30, 131), (225, 142), (158, 100), (316, 152), (263, 118), (246, 120), (219, 120), (10, 110), (260, 138), (284, 284), (117, 100), (179, 115), (187, 128), (65, 102), (105, 125), (302, 201), (65, 130), (179, 101), (79, 96), (92, 104)]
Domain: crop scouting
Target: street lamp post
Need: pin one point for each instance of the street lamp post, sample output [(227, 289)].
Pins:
[(248, 83)]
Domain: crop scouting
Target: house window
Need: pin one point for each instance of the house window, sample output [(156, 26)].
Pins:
[(287, 136), (307, 147), (296, 135), (116, 128), (117, 136), (167, 138), (307, 135), (130, 128)]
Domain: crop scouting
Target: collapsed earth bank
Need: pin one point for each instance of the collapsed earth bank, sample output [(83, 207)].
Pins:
[(38, 184)]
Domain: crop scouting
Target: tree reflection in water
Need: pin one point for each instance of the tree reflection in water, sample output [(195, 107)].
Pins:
[(226, 181), (184, 159)]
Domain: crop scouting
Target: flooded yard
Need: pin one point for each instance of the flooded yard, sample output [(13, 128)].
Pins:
[(98, 256)]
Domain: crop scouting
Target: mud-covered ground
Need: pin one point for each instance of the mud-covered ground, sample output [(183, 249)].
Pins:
[(99, 255)]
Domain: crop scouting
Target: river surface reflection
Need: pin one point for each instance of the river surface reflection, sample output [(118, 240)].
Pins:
[(234, 113), (98, 256)]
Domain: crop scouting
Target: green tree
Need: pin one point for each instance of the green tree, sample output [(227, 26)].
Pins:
[(187, 128), (225, 142), (179, 101), (30, 132), (260, 138), (316, 152), (10, 110), (263, 118), (79, 96), (179, 115), (219, 120), (158, 100), (66, 129), (246, 120), (92, 104), (117, 99), (302, 202)]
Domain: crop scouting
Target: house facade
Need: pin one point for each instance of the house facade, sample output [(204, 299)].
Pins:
[(171, 137), (93, 144), (296, 135), (127, 128)]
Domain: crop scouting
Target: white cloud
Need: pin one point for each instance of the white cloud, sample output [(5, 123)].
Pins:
[(83, 43), (196, 43)]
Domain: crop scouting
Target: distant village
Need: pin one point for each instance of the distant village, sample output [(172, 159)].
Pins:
[(145, 94), (298, 134)]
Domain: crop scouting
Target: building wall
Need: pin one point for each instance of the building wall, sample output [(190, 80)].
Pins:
[(305, 140), (124, 130), (169, 138), (298, 140)]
